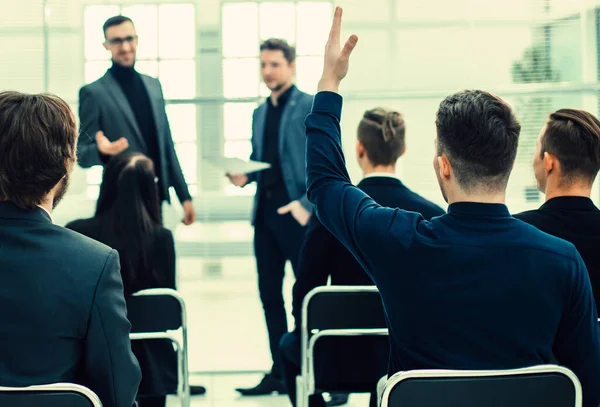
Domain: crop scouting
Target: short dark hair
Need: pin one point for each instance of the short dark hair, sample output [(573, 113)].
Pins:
[(382, 134), (38, 137), (113, 21), (278, 44), (479, 133), (573, 136)]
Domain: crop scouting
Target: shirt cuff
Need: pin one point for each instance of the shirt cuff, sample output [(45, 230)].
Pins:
[(328, 103)]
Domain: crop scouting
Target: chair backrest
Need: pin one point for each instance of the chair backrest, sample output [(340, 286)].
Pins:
[(346, 363), (156, 310), (538, 386), (49, 395), (343, 307)]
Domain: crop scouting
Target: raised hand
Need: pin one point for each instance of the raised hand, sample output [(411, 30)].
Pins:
[(337, 58)]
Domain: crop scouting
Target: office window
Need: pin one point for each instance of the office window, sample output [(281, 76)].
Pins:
[(163, 52), (244, 26)]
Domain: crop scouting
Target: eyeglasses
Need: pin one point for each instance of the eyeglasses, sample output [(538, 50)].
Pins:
[(120, 41)]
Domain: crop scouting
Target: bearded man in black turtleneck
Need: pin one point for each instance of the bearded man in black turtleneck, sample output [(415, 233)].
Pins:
[(125, 110)]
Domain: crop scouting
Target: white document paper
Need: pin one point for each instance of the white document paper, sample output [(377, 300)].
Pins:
[(235, 166)]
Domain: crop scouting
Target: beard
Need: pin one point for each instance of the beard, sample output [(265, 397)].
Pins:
[(277, 87), (61, 191)]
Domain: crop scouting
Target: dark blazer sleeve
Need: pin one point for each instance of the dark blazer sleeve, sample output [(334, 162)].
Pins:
[(175, 171), (307, 106), (89, 124), (110, 368), (577, 343), (316, 263), (254, 154), (359, 223), (166, 254)]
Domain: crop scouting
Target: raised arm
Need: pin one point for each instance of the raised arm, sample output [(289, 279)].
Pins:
[(352, 216)]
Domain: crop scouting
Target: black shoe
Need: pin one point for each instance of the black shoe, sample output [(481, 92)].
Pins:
[(197, 390), (337, 399), (268, 385)]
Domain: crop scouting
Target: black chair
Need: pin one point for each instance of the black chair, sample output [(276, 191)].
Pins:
[(344, 343), (538, 386), (156, 314), (49, 395)]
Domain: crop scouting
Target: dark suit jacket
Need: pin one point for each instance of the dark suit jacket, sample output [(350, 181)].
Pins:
[(156, 358), (62, 311), (577, 220), (322, 255), (292, 146), (103, 106), (472, 289)]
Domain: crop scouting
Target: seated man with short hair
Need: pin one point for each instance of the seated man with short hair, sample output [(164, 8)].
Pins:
[(62, 311), (566, 162), (473, 289), (381, 141)]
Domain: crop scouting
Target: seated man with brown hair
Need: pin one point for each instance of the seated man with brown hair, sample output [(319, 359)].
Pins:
[(62, 311)]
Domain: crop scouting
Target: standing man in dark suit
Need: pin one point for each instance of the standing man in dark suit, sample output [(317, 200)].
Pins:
[(381, 141), (473, 289), (126, 110), (566, 163), (62, 312), (281, 209)]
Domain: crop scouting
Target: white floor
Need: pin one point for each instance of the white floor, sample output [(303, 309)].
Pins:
[(221, 392)]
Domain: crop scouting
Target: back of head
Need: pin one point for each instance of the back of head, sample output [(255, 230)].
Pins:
[(479, 134), (38, 137), (382, 133), (573, 136), (130, 207)]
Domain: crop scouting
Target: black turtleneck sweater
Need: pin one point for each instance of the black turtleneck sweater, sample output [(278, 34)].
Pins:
[(273, 178), (135, 91)]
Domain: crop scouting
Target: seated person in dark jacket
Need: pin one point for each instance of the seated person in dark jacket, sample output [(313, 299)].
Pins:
[(63, 316), (128, 220), (566, 163), (381, 141), (472, 289)]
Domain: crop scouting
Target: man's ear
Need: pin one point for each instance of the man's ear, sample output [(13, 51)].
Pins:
[(360, 149), (551, 163), (445, 167)]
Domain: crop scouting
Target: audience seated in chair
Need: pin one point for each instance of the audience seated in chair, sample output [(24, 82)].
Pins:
[(128, 219), (475, 288), (62, 311), (566, 163), (381, 141)]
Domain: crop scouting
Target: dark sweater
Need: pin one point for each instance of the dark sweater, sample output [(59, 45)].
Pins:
[(472, 289), (136, 93), (577, 220)]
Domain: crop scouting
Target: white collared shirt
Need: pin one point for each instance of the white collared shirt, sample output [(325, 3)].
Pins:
[(46, 210), (381, 174)]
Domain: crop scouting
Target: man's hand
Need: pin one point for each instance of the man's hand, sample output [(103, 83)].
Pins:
[(336, 59), (297, 210), (108, 148), (189, 216), (239, 180)]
